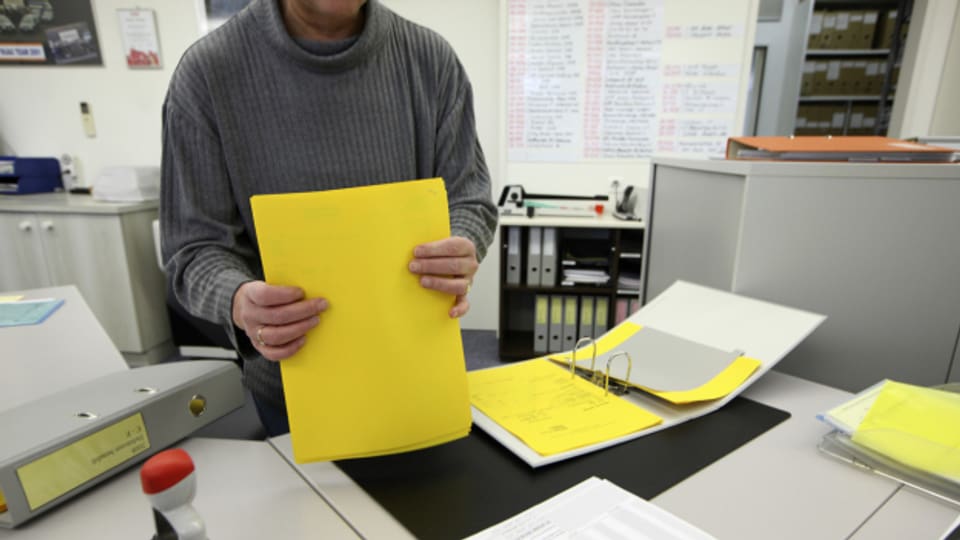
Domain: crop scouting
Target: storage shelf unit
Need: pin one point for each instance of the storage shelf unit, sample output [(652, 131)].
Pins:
[(604, 243), (851, 66)]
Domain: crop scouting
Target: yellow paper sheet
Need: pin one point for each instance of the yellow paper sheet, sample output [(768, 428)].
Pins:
[(916, 426), (552, 411), (12, 298), (383, 372)]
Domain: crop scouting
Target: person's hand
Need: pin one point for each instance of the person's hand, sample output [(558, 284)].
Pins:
[(448, 266), (275, 318)]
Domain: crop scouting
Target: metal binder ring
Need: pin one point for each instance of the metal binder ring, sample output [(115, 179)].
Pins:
[(259, 336)]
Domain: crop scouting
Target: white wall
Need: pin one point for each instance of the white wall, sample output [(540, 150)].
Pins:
[(925, 63), (786, 42), (946, 113), (473, 29), (39, 106)]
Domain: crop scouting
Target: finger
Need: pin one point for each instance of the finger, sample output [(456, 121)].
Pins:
[(460, 308), (264, 294), (455, 246), (456, 285), (276, 336), (280, 353), (288, 314), (462, 266)]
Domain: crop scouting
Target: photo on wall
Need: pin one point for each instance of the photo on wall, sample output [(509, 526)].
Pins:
[(48, 32)]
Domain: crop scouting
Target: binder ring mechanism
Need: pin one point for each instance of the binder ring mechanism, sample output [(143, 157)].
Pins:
[(573, 359), (594, 376), (617, 389)]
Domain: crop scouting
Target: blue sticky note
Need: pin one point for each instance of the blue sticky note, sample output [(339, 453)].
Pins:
[(26, 312)]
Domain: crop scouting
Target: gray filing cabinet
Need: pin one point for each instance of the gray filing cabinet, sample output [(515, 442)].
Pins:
[(105, 249), (875, 247)]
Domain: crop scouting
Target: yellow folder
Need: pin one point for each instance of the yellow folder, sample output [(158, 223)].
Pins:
[(384, 371)]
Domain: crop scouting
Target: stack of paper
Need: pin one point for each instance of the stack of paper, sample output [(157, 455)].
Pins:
[(573, 276), (552, 410), (594, 508), (902, 430), (127, 184), (384, 371)]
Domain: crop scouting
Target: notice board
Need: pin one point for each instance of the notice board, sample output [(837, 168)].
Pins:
[(594, 88)]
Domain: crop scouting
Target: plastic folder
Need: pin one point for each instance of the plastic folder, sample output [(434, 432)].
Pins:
[(903, 432), (384, 371), (849, 148)]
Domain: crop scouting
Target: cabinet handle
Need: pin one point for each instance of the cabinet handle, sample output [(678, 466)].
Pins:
[(46, 225), (26, 226)]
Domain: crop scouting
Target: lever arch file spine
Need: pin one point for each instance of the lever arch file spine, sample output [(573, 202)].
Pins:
[(513, 255), (556, 324), (586, 317), (601, 313), (534, 256), (541, 323), (570, 316), (548, 262), (67, 442)]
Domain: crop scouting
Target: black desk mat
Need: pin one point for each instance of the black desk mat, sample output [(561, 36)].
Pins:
[(459, 488)]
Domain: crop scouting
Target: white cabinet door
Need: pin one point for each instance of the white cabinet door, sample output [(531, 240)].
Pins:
[(22, 264), (87, 250)]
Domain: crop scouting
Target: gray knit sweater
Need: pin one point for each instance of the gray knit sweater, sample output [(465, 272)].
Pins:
[(249, 111)]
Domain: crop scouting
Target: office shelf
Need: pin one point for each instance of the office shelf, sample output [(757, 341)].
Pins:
[(602, 243)]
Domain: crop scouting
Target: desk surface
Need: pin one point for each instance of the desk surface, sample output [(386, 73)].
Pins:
[(67, 349), (244, 490), (776, 486)]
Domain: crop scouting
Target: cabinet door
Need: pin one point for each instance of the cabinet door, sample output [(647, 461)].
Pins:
[(87, 250), (22, 263)]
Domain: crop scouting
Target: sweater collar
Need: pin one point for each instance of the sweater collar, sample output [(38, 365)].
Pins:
[(268, 17)]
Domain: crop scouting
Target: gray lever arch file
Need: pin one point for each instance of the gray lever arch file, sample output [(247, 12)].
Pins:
[(63, 444)]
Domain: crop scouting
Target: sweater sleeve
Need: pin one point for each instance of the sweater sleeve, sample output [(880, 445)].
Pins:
[(461, 163), (206, 250)]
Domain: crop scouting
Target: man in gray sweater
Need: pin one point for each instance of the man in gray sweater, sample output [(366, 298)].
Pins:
[(307, 95)]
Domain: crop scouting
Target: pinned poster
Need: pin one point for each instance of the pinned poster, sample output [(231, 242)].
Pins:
[(141, 46)]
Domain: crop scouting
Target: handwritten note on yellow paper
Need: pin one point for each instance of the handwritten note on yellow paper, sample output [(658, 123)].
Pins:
[(383, 372), (916, 426), (542, 405)]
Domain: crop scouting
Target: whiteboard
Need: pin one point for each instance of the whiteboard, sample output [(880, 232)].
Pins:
[(594, 88)]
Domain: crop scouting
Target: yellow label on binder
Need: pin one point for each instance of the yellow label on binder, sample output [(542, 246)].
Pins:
[(62, 470)]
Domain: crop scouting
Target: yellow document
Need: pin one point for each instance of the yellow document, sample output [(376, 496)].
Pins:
[(916, 426), (384, 371), (552, 411)]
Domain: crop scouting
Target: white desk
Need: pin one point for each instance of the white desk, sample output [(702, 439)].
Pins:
[(776, 486), (67, 349), (245, 490), (909, 514)]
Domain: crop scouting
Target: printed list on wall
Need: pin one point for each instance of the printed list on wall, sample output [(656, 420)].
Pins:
[(619, 79)]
